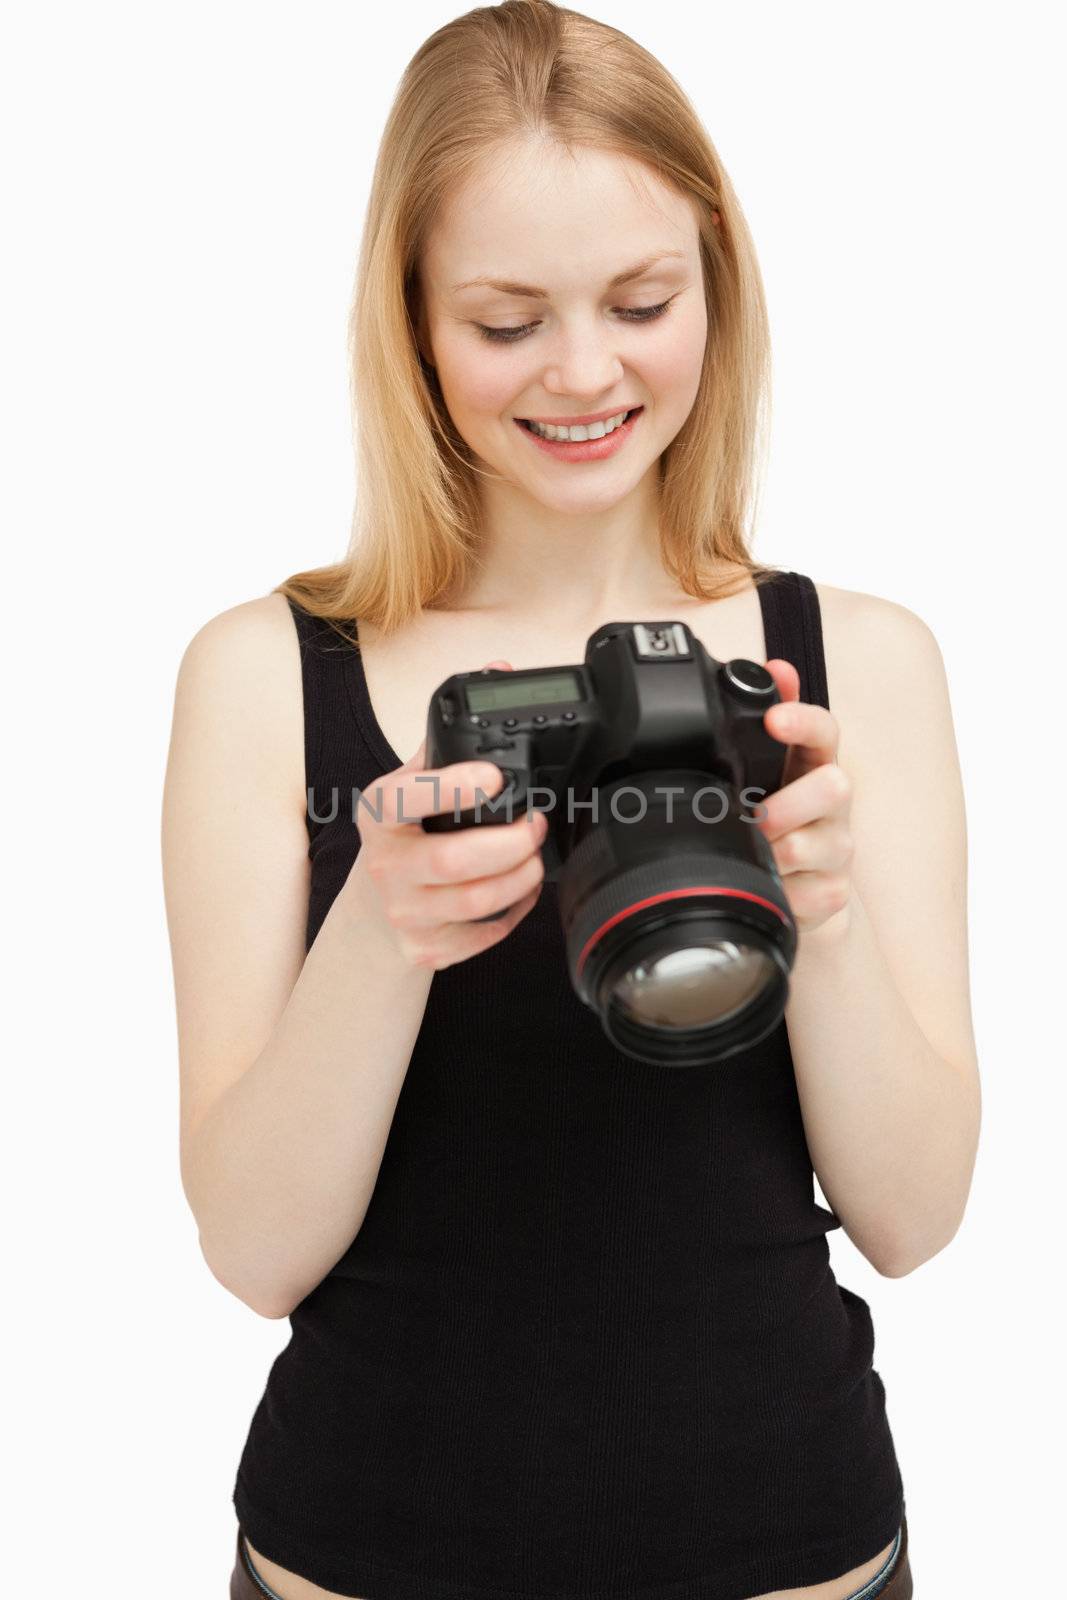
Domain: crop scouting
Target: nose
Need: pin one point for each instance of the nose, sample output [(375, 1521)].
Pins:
[(584, 364)]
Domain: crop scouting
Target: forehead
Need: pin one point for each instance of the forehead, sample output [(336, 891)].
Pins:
[(537, 213)]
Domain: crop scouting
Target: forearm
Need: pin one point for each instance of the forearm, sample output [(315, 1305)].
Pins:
[(892, 1127), (280, 1172)]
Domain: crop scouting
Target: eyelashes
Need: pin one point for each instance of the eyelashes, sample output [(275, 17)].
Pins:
[(513, 335)]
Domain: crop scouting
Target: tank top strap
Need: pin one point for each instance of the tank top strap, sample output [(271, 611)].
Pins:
[(792, 628), (331, 737)]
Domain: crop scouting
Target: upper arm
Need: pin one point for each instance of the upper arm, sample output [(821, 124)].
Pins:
[(234, 845), (889, 695)]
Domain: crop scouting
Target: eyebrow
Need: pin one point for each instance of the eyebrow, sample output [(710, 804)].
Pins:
[(527, 291)]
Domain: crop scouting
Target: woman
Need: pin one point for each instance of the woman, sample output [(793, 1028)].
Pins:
[(563, 1322)]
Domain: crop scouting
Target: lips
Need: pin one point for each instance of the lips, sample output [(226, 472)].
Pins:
[(577, 451), (573, 422), (580, 422)]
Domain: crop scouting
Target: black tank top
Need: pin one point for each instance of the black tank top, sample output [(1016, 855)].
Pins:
[(587, 1341)]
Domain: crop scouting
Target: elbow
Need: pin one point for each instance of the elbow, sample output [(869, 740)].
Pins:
[(907, 1257), (274, 1316), (897, 1267), (273, 1310), (264, 1305)]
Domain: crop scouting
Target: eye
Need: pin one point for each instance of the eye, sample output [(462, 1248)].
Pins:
[(513, 335)]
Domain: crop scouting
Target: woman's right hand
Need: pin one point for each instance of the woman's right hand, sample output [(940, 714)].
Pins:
[(430, 888)]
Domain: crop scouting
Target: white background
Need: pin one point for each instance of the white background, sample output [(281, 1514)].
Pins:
[(183, 194)]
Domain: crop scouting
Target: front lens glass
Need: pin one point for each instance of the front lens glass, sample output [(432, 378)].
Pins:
[(695, 986)]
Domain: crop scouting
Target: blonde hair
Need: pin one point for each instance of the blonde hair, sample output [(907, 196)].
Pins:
[(530, 67)]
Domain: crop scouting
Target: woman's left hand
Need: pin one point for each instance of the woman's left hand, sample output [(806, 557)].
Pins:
[(807, 820)]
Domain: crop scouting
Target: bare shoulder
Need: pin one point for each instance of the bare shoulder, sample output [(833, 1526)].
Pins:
[(254, 635), (239, 681), (849, 613), (873, 646)]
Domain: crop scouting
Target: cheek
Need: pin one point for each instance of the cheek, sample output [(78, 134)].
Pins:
[(674, 367), (473, 383)]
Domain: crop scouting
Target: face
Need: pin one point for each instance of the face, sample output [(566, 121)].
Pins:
[(553, 338)]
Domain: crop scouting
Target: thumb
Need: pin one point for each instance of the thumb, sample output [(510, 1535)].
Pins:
[(505, 665)]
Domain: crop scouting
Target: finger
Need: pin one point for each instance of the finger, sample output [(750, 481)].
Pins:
[(811, 733), (824, 845), (814, 896), (786, 678), (484, 934), (777, 721), (814, 795), (482, 852), (434, 905), (404, 796)]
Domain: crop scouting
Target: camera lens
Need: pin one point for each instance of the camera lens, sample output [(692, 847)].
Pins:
[(694, 985), (679, 934)]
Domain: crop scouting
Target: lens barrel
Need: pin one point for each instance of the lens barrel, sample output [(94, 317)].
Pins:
[(678, 931)]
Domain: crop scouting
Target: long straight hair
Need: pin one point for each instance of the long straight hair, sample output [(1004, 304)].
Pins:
[(493, 75)]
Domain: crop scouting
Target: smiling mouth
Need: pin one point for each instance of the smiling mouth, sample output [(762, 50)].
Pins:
[(524, 422)]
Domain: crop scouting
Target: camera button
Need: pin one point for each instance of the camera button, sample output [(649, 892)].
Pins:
[(748, 678)]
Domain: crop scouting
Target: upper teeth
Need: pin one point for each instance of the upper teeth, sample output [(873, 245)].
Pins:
[(587, 430)]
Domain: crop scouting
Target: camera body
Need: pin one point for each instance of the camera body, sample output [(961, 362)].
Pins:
[(649, 698)]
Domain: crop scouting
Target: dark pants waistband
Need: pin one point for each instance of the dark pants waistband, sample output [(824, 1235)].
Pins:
[(892, 1582)]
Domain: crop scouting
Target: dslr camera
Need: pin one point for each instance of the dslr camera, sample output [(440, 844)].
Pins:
[(650, 761)]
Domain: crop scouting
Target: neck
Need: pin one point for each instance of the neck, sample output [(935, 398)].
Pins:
[(537, 562)]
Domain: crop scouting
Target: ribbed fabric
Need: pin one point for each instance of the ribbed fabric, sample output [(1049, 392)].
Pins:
[(587, 1341)]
